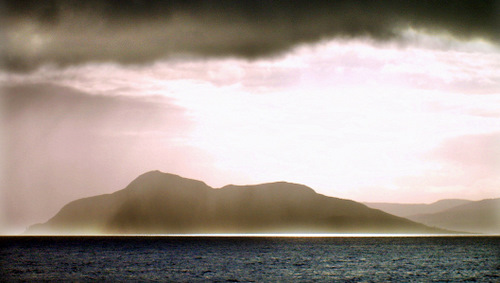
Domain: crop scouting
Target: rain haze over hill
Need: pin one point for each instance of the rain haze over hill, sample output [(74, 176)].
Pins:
[(161, 203)]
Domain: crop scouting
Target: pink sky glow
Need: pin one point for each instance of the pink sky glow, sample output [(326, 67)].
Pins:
[(356, 119)]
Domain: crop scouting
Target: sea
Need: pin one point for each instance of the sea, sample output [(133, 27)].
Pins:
[(250, 258)]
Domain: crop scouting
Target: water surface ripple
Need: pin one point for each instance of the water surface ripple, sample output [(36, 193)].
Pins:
[(250, 259)]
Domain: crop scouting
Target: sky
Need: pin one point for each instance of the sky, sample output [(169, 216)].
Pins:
[(386, 101)]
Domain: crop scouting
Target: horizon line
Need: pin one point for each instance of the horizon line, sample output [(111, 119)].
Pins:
[(262, 235)]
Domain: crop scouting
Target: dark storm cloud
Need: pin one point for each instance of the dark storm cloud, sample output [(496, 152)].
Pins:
[(72, 32)]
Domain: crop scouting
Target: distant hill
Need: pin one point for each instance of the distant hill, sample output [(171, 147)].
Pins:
[(157, 202), (410, 209), (476, 216)]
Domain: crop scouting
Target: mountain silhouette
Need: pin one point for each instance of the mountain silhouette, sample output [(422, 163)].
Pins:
[(410, 209), (157, 202), (476, 217)]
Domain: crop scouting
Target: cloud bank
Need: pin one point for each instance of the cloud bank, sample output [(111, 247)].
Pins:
[(72, 32)]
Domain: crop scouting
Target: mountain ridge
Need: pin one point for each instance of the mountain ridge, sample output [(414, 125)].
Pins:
[(410, 209), (481, 216), (163, 203)]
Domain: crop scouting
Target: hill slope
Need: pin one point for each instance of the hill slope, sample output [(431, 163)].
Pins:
[(157, 202), (476, 217), (409, 209)]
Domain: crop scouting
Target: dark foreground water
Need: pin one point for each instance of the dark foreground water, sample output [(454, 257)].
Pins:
[(247, 259)]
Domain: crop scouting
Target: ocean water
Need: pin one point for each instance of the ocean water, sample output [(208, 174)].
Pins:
[(250, 259)]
